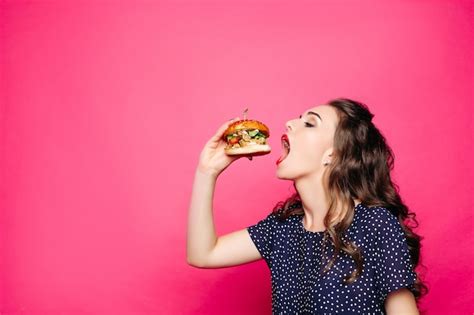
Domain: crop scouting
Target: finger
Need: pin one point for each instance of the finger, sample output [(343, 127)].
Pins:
[(220, 131)]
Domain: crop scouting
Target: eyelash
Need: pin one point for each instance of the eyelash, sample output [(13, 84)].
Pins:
[(306, 124)]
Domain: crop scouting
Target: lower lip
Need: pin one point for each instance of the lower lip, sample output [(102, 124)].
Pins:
[(280, 159)]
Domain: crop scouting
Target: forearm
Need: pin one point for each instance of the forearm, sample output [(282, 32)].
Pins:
[(201, 236)]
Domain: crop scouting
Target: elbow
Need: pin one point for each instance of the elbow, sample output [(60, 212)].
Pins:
[(190, 261), (194, 263)]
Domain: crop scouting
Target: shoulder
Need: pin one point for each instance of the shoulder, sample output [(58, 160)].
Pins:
[(270, 219), (274, 220), (267, 222), (380, 219)]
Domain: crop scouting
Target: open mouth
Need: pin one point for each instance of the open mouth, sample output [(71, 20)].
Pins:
[(285, 143)]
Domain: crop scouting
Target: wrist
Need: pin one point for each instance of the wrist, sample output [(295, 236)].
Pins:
[(206, 172)]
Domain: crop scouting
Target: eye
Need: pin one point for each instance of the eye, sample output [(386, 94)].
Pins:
[(305, 123)]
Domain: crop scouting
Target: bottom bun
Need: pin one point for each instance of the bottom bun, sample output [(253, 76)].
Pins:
[(253, 149)]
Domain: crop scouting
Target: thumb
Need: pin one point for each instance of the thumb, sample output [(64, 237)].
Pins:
[(220, 131)]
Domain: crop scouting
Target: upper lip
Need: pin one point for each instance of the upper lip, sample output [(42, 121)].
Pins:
[(285, 137)]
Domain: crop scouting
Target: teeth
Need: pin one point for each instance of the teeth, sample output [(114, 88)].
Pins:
[(286, 144)]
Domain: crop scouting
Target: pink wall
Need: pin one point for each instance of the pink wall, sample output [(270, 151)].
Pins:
[(105, 108)]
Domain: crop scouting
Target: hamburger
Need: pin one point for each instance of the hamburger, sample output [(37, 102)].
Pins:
[(247, 137)]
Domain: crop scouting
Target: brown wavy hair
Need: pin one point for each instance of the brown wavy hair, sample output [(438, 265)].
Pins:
[(360, 169)]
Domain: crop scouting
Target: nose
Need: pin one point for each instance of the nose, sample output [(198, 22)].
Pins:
[(289, 126)]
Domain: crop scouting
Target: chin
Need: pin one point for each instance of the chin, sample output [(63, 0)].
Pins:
[(297, 174), (281, 175)]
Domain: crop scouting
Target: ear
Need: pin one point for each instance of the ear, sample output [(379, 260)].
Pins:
[(327, 155)]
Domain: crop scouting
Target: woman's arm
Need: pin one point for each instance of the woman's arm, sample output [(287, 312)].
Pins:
[(204, 248), (201, 236), (401, 302)]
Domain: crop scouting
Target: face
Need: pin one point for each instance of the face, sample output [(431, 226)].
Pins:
[(311, 140)]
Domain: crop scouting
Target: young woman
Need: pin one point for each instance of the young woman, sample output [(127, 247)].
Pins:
[(340, 244)]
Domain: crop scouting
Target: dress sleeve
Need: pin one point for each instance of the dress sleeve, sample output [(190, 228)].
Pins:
[(394, 269), (262, 233)]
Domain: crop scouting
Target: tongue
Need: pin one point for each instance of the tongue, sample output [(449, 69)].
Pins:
[(283, 156)]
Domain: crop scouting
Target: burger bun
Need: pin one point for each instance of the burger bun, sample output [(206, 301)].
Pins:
[(250, 150)]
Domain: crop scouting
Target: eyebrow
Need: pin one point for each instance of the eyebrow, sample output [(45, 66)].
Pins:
[(313, 113)]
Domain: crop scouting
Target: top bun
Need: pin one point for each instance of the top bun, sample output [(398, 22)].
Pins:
[(247, 124)]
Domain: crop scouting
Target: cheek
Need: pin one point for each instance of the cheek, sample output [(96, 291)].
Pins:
[(312, 148)]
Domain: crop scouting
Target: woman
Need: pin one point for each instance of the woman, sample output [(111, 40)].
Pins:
[(340, 244)]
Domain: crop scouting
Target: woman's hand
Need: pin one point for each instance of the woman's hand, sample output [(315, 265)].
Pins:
[(213, 159)]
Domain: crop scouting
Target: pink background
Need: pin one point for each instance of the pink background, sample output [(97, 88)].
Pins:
[(105, 108)]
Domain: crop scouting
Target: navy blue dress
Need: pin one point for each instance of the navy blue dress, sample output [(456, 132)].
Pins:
[(294, 256)]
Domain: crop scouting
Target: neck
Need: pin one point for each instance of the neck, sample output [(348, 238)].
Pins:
[(314, 201), (315, 204)]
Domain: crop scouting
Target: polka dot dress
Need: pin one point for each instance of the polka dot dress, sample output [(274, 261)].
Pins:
[(295, 258)]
